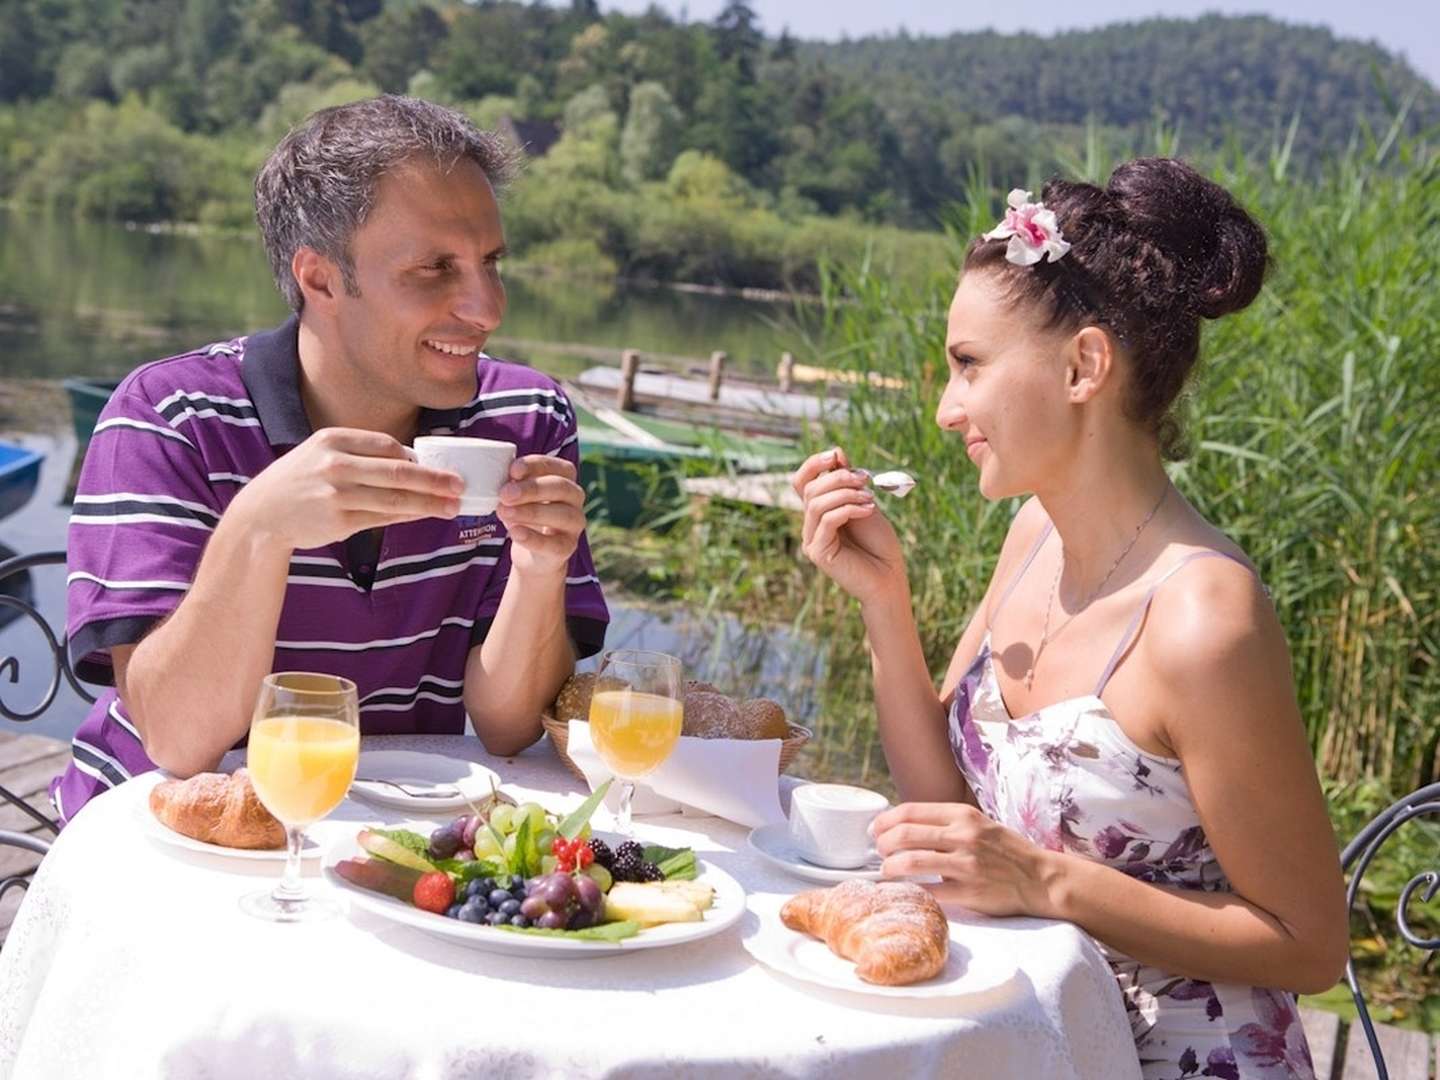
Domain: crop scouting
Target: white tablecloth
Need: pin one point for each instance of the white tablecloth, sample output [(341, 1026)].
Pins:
[(131, 958)]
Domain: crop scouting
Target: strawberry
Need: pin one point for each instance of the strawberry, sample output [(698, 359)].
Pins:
[(434, 892)]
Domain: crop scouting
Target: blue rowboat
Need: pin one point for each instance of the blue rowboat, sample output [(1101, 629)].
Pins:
[(19, 474)]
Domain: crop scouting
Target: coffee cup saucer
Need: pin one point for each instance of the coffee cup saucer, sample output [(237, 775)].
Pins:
[(773, 844)]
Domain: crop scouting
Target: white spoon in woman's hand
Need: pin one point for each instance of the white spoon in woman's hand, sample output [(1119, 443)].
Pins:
[(894, 482)]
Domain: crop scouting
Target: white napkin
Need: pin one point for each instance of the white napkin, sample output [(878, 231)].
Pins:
[(736, 779)]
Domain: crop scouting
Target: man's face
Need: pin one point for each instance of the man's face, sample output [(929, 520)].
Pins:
[(427, 264)]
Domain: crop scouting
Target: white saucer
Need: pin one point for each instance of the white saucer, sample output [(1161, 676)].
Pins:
[(772, 842), (422, 772)]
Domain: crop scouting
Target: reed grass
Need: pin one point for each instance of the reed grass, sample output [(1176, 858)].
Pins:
[(1315, 422)]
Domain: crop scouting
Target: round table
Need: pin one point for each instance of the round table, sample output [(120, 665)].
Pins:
[(130, 958)]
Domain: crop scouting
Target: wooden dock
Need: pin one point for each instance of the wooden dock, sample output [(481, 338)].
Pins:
[(27, 764)]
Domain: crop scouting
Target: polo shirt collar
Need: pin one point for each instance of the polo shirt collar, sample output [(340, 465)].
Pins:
[(271, 374)]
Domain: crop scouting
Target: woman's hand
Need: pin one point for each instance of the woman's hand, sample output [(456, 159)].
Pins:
[(844, 534), (983, 865)]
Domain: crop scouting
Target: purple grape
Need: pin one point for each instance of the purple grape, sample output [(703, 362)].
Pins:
[(470, 826), (532, 907), (551, 920), (581, 919), (558, 891), (444, 842), (587, 889)]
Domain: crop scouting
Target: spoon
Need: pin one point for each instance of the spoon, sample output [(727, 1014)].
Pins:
[(894, 482)]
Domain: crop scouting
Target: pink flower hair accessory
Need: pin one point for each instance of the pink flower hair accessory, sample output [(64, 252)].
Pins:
[(1031, 229)]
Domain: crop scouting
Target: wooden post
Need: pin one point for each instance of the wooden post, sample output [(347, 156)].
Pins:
[(786, 372), (629, 368), (717, 373)]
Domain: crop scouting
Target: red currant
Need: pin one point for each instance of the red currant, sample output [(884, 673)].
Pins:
[(586, 857)]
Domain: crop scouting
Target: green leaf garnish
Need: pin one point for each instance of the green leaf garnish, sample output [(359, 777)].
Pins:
[(571, 826), (677, 864), (611, 931), (521, 862), (468, 870)]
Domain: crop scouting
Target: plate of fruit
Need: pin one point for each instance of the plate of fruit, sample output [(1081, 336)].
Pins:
[(520, 880)]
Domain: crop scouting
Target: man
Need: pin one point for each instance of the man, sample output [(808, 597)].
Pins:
[(253, 506)]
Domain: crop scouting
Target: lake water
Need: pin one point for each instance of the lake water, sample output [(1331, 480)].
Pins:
[(92, 298)]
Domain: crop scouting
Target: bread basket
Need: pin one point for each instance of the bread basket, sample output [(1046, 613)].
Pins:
[(559, 732)]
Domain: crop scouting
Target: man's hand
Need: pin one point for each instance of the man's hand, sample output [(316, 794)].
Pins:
[(339, 482), (543, 508)]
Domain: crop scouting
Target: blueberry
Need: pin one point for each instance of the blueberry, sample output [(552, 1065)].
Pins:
[(471, 913), (453, 910), (476, 888), (519, 920), (498, 897), (516, 882), (509, 908), (486, 884), (495, 918)]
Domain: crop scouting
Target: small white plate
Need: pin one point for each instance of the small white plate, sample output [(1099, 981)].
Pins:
[(421, 772), (725, 912), (158, 830), (809, 959), (773, 843)]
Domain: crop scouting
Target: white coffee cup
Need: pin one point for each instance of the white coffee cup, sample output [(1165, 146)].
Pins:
[(483, 463), (830, 824)]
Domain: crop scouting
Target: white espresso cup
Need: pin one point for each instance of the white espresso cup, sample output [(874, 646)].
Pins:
[(484, 464), (830, 824)]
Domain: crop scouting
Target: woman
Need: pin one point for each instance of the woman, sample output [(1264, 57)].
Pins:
[(1116, 742)]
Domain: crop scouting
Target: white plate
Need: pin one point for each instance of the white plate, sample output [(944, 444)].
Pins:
[(809, 959), (420, 772), (772, 842), (158, 830), (727, 910)]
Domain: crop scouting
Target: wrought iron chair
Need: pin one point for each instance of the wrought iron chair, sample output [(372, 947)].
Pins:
[(16, 603), (1356, 859)]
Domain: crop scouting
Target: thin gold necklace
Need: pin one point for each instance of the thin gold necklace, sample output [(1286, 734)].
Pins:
[(1045, 635)]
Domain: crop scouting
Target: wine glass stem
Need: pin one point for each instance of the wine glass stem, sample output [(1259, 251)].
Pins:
[(622, 819), (291, 889)]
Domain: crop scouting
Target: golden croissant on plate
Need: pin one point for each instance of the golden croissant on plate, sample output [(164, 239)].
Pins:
[(217, 809), (894, 931)]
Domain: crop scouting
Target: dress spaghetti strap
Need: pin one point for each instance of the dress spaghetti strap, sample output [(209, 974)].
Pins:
[(1044, 535), (1128, 638)]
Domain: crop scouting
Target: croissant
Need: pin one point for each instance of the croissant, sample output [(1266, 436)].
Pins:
[(894, 931), (217, 809)]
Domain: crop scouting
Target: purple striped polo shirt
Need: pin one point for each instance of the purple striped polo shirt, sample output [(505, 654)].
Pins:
[(180, 437)]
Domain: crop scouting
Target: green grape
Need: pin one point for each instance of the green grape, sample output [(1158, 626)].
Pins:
[(485, 844), (548, 863), (600, 875), (510, 844), (503, 818), (536, 813), (545, 841), (585, 831)]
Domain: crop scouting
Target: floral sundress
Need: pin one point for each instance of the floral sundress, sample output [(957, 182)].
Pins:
[(1069, 779)]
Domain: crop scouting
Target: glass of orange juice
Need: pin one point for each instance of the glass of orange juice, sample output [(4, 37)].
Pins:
[(303, 749), (635, 716)]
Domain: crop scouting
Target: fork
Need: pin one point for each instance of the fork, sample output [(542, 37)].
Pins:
[(440, 791)]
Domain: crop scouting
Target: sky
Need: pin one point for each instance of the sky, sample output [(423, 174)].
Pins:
[(1409, 27)]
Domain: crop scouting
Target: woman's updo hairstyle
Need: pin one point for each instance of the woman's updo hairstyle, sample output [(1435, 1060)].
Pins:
[(1152, 253)]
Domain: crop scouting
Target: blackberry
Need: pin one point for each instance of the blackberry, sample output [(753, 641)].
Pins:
[(630, 849), (650, 872), (627, 868), (603, 855)]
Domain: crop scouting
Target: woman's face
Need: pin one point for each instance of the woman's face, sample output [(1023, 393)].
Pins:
[(1007, 394)]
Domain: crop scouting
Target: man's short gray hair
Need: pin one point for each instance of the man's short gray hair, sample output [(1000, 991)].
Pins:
[(319, 184)]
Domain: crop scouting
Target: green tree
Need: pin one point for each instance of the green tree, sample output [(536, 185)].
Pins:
[(651, 137), (398, 44)]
